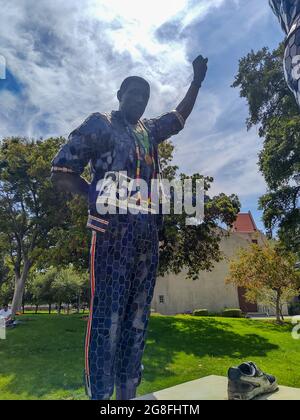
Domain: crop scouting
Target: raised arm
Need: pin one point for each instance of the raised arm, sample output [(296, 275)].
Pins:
[(186, 106)]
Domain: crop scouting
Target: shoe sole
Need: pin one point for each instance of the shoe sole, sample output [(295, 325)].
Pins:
[(233, 395)]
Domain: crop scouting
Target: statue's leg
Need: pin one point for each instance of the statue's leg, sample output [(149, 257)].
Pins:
[(110, 270), (292, 62), (134, 326)]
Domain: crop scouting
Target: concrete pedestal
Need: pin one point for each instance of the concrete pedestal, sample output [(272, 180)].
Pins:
[(213, 388)]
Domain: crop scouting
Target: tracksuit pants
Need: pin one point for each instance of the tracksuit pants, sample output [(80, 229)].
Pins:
[(123, 266)]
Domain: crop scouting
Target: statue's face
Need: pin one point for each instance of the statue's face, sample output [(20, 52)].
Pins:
[(133, 101)]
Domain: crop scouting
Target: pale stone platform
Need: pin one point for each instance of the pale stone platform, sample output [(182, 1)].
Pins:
[(213, 388)]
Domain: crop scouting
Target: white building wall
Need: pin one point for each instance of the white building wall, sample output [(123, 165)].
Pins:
[(209, 291)]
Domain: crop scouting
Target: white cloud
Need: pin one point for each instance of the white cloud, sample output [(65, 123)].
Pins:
[(71, 57), (231, 158), (147, 14)]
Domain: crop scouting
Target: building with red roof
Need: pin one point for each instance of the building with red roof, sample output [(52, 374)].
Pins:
[(244, 223), (176, 294)]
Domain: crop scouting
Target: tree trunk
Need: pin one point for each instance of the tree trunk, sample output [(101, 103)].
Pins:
[(18, 294), (68, 309), (36, 309), (78, 304), (278, 311), (19, 289), (49, 308), (281, 313)]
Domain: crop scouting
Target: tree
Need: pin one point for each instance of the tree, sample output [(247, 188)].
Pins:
[(268, 298), (6, 291), (6, 277), (29, 206), (42, 287), (280, 164), (194, 247), (268, 273), (28, 296), (273, 108), (55, 285), (72, 239), (68, 287), (4, 271)]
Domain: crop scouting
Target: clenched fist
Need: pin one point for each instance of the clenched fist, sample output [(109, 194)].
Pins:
[(200, 69)]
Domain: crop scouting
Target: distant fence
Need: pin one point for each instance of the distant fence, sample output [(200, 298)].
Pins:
[(54, 307)]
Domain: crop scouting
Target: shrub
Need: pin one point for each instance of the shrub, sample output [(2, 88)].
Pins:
[(294, 309), (200, 312), (232, 313)]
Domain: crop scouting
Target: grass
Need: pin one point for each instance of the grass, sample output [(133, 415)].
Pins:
[(43, 357)]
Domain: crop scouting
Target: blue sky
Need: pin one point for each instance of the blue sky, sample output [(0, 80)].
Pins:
[(67, 59)]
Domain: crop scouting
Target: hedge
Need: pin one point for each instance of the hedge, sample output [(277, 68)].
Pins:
[(200, 312), (232, 313)]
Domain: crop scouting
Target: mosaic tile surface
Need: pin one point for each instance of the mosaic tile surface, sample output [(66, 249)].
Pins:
[(124, 263), (288, 13)]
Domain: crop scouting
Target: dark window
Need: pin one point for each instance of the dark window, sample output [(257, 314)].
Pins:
[(161, 299)]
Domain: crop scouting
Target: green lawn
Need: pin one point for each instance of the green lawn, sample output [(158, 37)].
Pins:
[(43, 357)]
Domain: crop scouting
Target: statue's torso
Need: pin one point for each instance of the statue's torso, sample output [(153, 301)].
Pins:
[(115, 149)]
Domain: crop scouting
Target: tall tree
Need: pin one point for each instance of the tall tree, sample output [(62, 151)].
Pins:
[(273, 108), (29, 206)]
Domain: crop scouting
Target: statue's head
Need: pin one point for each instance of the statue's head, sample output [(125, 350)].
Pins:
[(133, 96)]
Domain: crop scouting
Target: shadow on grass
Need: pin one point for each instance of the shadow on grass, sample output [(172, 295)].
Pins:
[(199, 337)]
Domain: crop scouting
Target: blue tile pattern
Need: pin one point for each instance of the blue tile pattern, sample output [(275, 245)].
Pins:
[(288, 13), (124, 251), (292, 62), (125, 266)]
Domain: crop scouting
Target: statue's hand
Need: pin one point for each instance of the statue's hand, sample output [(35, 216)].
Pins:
[(200, 69)]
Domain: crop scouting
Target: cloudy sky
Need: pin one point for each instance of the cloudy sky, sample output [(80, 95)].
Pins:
[(66, 59)]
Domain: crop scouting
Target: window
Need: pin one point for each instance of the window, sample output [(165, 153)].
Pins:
[(254, 241), (161, 299)]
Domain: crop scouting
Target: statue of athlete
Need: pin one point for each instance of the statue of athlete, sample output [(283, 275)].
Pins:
[(124, 249)]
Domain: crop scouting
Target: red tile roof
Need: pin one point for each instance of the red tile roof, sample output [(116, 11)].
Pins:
[(244, 223)]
